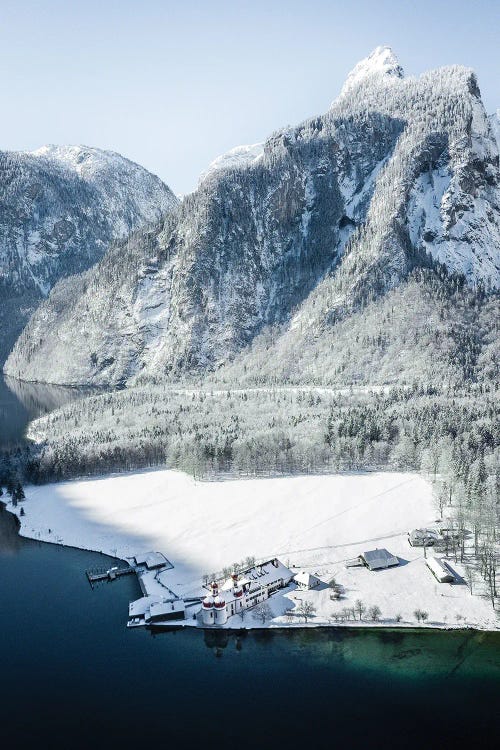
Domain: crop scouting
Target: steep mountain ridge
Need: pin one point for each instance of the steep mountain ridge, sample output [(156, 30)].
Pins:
[(61, 206), (234, 158), (381, 65), (495, 125), (398, 174)]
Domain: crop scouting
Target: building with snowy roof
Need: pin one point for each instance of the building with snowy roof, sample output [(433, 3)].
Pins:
[(306, 581), (152, 560), (244, 591), (239, 592), (155, 609), (440, 570), (166, 611), (378, 559), (423, 537)]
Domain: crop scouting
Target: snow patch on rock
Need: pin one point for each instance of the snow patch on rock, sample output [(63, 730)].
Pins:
[(495, 125), (381, 64), (240, 156)]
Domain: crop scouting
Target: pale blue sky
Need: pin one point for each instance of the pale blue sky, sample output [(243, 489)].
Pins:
[(173, 84)]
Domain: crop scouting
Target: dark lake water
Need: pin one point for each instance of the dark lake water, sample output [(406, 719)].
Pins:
[(21, 402), (73, 676)]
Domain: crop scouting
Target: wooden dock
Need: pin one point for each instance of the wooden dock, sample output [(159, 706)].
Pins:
[(100, 574)]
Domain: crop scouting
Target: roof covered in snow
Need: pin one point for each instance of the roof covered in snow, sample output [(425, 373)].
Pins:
[(158, 609), (142, 605), (151, 560), (265, 574), (307, 579), (439, 568), (379, 558)]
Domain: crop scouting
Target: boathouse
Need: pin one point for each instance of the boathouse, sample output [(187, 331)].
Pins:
[(166, 611), (152, 560)]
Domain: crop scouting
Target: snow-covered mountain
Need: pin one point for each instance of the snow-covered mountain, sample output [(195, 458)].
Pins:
[(61, 206), (332, 215), (382, 66), (495, 125), (236, 157)]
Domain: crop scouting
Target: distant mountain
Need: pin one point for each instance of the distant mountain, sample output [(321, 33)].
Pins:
[(333, 215), (60, 207)]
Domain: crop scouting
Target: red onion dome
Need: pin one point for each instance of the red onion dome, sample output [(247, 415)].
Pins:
[(219, 602), (238, 593), (208, 602)]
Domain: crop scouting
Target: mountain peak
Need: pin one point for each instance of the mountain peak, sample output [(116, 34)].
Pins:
[(382, 62)]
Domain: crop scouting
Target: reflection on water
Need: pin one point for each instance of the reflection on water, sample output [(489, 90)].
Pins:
[(86, 681), (400, 653), (10, 541), (21, 402)]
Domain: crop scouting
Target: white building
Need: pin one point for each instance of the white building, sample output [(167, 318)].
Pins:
[(440, 570), (151, 561), (306, 581), (423, 537), (241, 592), (150, 610)]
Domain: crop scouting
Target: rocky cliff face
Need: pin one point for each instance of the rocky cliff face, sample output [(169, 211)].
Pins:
[(495, 125), (60, 207), (331, 215)]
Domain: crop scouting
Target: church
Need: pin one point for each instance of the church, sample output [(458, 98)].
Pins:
[(243, 591)]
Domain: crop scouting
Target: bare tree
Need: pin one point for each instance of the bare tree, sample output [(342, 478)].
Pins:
[(346, 614), (374, 613), (441, 497), (263, 612), (359, 608), (470, 576), (306, 610), (421, 615)]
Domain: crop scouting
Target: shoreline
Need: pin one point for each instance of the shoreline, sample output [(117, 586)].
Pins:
[(98, 516), (231, 631), (279, 628)]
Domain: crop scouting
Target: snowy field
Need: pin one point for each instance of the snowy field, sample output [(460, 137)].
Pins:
[(314, 523)]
